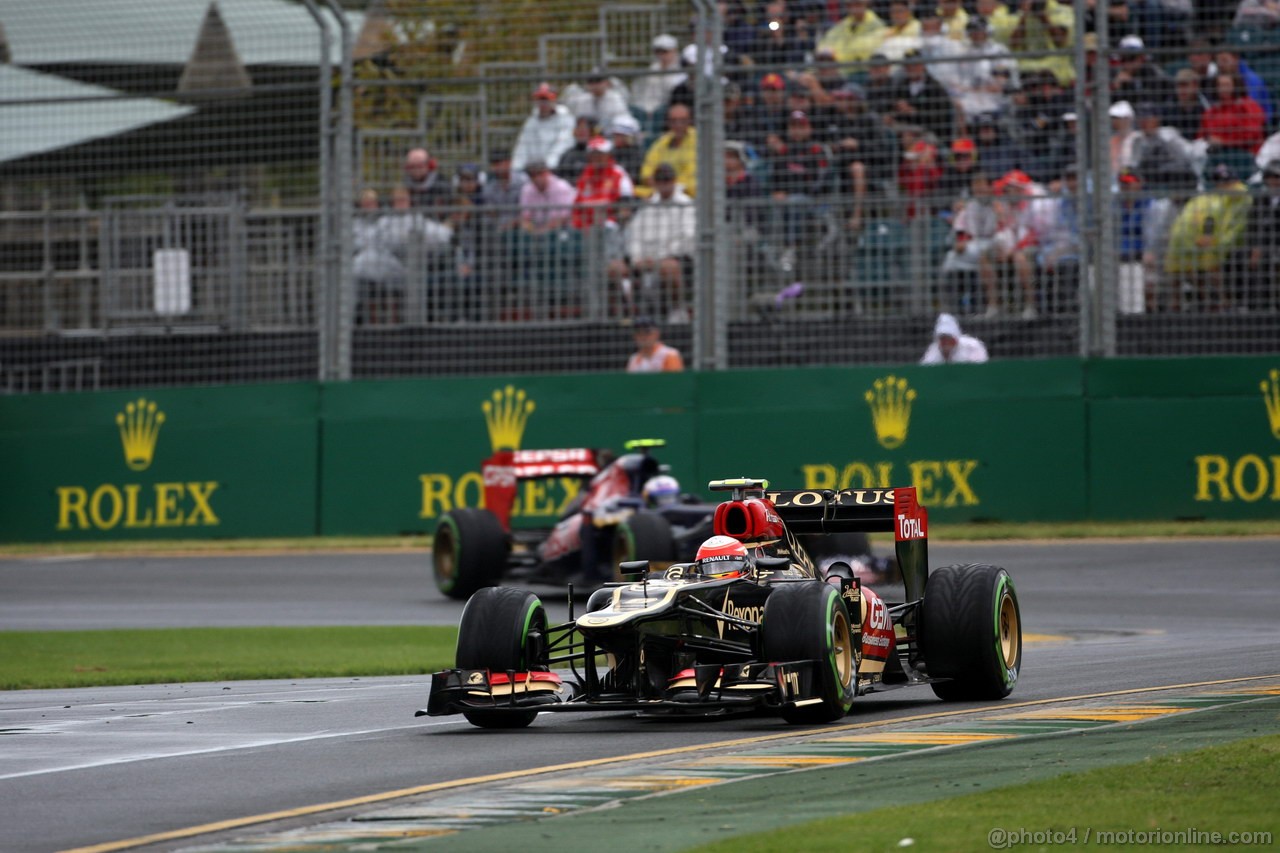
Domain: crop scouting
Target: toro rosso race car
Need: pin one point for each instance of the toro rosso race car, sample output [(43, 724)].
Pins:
[(750, 624), (628, 509)]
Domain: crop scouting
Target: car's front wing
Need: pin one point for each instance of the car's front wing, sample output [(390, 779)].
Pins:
[(711, 689)]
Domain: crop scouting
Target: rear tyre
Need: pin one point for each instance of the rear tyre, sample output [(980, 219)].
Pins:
[(502, 630), (468, 551), (808, 621), (642, 536), (972, 632)]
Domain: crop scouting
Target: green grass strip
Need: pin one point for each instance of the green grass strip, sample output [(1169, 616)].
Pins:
[(45, 659), (1223, 789)]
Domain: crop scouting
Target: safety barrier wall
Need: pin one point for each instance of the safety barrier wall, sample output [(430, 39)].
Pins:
[(1036, 440)]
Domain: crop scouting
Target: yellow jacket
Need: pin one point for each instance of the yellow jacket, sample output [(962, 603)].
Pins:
[(852, 42), (684, 159), (1221, 215)]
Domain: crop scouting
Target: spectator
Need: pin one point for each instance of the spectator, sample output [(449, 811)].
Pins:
[(573, 161), (952, 346), (1042, 26), (902, 32), (973, 249), (984, 81), (998, 17), (624, 132), (778, 43), (1135, 79), (1248, 81), (765, 118), (1157, 155), (920, 99), (955, 20), (1262, 261), (651, 93), (423, 247), (862, 151), (1043, 127), (855, 36), (957, 173), (377, 270), (1020, 199), (466, 299), (427, 189), (881, 87), (739, 183), (545, 135), (1131, 218), (1061, 241), (601, 187), (799, 174), (600, 99), (1234, 122), (1186, 110), (501, 215), (1204, 236), (998, 153), (679, 147), (652, 355), (660, 243), (546, 200), (919, 174), (939, 51), (1121, 115)]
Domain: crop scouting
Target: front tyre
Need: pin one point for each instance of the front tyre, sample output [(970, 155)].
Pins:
[(808, 621), (468, 551), (972, 632), (502, 630)]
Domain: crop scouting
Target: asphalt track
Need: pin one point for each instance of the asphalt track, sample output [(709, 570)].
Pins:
[(93, 766)]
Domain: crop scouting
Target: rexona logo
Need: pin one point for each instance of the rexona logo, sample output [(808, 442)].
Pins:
[(939, 482), (1251, 477), (135, 505), (506, 414)]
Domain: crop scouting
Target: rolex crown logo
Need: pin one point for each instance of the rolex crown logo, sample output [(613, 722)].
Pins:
[(890, 400), (506, 415), (139, 425), (1271, 396)]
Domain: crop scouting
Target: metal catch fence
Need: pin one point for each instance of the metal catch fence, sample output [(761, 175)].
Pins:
[(257, 190)]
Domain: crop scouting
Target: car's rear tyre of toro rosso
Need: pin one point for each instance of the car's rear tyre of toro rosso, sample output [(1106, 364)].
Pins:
[(643, 536), (972, 632), (502, 630), (808, 621), (468, 551)]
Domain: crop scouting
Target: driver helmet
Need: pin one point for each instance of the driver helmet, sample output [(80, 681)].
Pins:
[(661, 490), (722, 557)]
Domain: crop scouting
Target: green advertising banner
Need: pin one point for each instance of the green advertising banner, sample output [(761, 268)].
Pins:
[(1185, 438), (995, 441), (165, 463), (1044, 440), (396, 454)]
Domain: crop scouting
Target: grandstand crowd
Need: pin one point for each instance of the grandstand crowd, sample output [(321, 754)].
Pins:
[(850, 122)]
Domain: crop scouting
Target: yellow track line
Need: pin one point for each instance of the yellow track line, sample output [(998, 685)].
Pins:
[(320, 808)]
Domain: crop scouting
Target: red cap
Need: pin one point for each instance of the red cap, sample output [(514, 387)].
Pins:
[(963, 145), (544, 93), (599, 143), (772, 81)]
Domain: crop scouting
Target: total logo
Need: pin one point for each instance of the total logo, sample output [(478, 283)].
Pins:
[(109, 506)]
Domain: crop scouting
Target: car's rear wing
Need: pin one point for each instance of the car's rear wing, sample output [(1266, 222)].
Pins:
[(864, 511), (505, 468)]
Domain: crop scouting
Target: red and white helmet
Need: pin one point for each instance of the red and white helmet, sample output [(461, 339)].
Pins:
[(722, 557)]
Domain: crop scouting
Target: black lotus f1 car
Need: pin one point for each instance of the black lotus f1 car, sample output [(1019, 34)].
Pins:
[(780, 635)]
